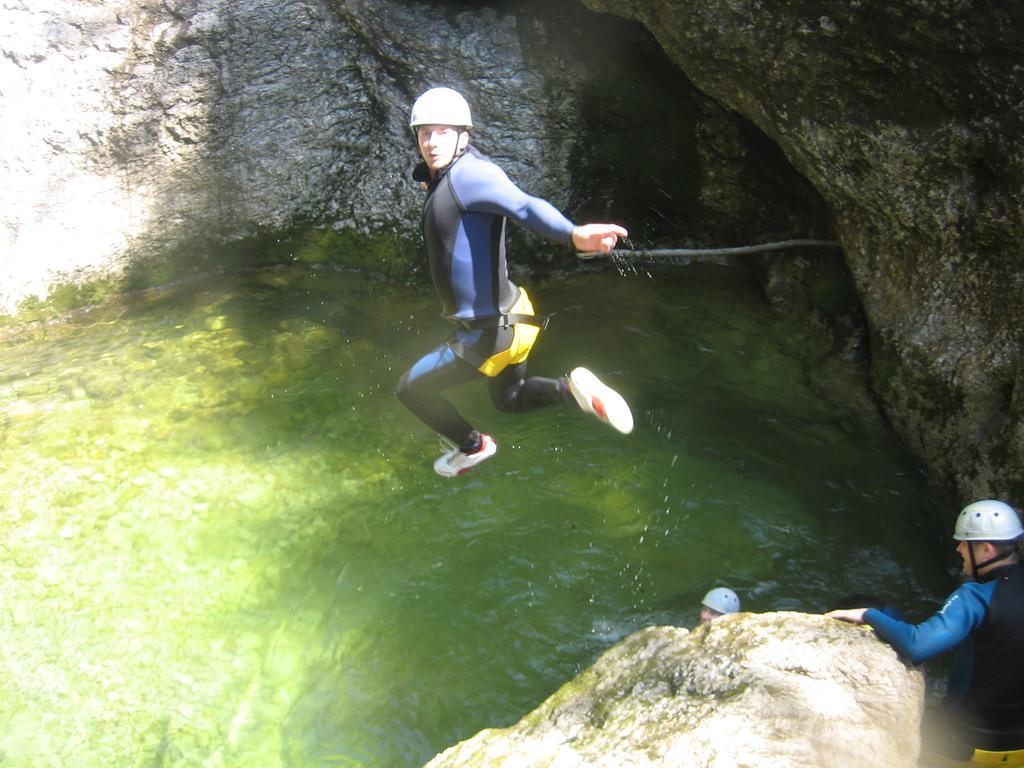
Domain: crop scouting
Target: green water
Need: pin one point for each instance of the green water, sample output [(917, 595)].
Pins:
[(224, 545)]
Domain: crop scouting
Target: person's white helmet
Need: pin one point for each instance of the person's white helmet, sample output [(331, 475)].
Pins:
[(988, 520), (440, 106), (721, 600)]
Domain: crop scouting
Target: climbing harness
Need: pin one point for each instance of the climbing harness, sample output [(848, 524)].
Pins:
[(504, 321), (520, 319)]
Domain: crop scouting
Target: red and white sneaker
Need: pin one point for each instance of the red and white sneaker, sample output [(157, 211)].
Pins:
[(600, 400), (455, 462)]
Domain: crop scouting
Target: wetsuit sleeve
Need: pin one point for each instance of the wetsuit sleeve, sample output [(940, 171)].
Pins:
[(962, 613), (487, 189)]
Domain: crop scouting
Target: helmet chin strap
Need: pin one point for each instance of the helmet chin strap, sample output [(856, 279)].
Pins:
[(458, 152), (976, 566), (1007, 554)]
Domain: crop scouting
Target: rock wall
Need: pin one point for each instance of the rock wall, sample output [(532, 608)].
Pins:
[(142, 136), (154, 131), (906, 118), (778, 689)]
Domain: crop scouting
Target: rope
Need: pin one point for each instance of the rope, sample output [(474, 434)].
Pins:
[(689, 252)]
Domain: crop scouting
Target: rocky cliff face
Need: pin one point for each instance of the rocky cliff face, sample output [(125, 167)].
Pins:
[(143, 136), (151, 133), (906, 118), (780, 689)]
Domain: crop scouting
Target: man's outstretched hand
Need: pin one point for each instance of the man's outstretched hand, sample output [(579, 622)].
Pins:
[(852, 615), (597, 237)]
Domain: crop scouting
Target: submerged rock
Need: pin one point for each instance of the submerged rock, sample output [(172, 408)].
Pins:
[(774, 689)]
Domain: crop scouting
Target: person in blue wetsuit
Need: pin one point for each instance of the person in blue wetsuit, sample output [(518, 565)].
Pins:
[(469, 200), (981, 719)]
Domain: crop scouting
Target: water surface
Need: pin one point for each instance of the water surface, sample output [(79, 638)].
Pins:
[(223, 543)]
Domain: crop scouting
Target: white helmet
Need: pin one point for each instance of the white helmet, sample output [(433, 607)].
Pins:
[(988, 520), (721, 600), (440, 106)]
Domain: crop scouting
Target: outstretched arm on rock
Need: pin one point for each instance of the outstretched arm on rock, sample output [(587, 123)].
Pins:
[(852, 615)]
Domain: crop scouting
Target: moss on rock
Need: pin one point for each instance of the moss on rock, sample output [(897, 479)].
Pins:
[(380, 253)]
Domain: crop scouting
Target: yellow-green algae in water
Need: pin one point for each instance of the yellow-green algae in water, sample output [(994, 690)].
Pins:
[(223, 543)]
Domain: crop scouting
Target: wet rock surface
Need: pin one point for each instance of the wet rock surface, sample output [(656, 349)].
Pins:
[(777, 689)]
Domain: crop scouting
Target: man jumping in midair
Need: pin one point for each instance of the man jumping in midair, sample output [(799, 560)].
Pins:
[(469, 199)]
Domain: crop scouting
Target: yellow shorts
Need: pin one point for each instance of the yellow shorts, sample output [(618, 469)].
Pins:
[(1014, 759), (981, 757), (523, 338)]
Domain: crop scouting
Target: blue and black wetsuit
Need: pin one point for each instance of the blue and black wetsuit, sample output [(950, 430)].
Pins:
[(984, 622), (464, 219)]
